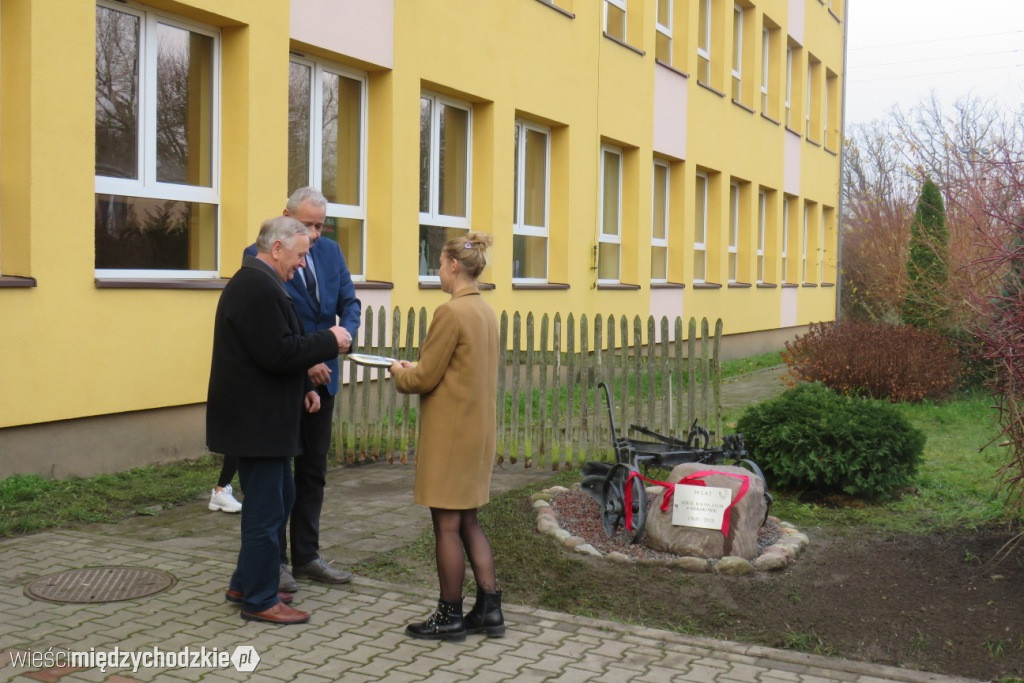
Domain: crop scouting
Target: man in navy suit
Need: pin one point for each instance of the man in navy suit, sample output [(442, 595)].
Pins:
[(323, 295)]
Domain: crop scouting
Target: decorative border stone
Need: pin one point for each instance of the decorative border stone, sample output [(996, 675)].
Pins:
[(780, 554)]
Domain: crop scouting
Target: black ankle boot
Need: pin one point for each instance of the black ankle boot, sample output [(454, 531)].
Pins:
[(444, 624), (486, 616)]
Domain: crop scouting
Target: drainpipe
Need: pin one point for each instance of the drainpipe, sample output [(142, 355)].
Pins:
[(842, 158)]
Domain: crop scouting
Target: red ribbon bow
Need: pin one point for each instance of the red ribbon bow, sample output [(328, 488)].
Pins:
[(695, 479)]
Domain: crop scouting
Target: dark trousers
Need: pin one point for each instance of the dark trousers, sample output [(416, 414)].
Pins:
[(269, 494), (310, 479)]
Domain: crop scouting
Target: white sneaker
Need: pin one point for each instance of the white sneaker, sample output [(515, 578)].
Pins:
[(224, 500)]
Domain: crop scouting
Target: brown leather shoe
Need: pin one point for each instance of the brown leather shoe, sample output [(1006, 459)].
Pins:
[(278, 614), (237, 597)]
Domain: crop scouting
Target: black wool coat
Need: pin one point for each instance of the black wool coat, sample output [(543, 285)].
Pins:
[(258, 370)]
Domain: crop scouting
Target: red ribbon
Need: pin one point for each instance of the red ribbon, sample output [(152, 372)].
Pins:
[(695, 479)]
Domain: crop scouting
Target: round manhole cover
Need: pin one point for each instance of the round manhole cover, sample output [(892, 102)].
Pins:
[(99, 584)]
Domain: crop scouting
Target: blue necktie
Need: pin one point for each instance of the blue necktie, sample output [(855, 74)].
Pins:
[(307, 273)]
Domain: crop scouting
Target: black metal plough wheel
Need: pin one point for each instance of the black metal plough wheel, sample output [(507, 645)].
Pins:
[(613, 502)]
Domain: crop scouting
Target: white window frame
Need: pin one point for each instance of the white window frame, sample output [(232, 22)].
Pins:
[(821, 248), (737, 52), (433, 217), (315, 159), (601, 235), (784, 250), (146, 185), (762, 210), (766, 42), (519, 225), (661, 242), (803, 243), (807, 103), (701, 246), (734, 232), (621, 4), (704, 52), (662, 28), (789, 85)]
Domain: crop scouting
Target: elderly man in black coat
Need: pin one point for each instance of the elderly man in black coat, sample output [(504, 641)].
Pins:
[(258, 390)]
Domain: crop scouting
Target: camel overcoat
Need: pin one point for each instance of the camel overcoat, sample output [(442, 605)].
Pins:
[(457, 379)]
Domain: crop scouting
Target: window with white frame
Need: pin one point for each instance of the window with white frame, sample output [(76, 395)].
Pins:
[(663, 29), (734, 231), (615, 18), (326, 149), (531, 184), (821, 243), (766, 62), (659, 222), (700, 228), (789, 86), (762, 214), (784, 248), (609, 241), (157, 168), (830, 118), (737, 53), (704, 42), (445, 144), (803, 242), (813, 99)]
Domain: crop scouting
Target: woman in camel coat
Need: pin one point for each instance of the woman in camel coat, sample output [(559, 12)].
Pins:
[(456, 378)]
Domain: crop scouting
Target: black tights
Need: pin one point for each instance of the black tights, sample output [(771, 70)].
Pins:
[(457, 535)]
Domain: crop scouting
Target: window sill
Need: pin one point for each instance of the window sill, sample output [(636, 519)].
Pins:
[(768, 118), (831, 151), (624, 44), (668, 285), (374, 284), (17, 281), (834, 15), (813, 142), (551, 5), (743, 106), (808, 284), (706, 285), (739, 285), (794, 132), (789, 285), (671, 68), (483, 286), (827, 284), (766, 285), (157, 283), (539, 286), (618, 287), (710, 89)]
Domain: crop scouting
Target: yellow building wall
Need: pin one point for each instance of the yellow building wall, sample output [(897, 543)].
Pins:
[(73, 349)]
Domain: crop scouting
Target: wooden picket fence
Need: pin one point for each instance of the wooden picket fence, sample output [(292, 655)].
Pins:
[(550, 410)]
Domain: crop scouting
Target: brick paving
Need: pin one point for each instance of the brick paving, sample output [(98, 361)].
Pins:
[(357, 630)]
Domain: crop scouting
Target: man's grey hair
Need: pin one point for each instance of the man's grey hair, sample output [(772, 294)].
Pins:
[(279, 228), (310, 195)]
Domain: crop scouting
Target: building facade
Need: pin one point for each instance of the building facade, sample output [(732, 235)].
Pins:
[(650, 157)]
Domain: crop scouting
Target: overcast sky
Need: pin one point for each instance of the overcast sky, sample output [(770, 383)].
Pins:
[(900, 50)]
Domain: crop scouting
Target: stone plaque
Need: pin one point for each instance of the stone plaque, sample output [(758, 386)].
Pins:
[(702, 507)]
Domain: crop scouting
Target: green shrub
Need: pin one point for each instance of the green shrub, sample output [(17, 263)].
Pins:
[(813, 439), (876, 360)]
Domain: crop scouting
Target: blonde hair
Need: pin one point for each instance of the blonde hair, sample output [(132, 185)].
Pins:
[(470, 251)]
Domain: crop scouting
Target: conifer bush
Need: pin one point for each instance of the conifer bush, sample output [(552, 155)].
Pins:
[(875, 360), (811, 439)]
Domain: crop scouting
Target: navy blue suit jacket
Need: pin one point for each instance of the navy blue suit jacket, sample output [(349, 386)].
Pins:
[(338, 300)]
